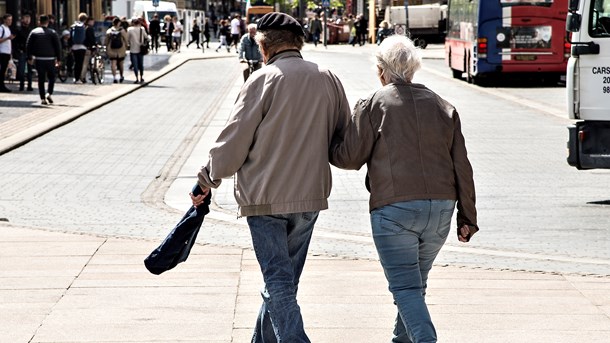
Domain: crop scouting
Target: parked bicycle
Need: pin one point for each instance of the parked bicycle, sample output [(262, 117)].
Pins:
[(97, 64)]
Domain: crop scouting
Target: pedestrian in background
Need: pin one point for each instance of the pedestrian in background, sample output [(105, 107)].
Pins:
[(206, 32), (223, 33), (44, 50), (235, 33), (137, 37), (277, 143), (5, 49), (24, 69), (417, 169), (155, 31), (91, 45), (195, 33), (249, 51), (315, 28), (177, 34), (79, 50), (169, 30), (116, 42)]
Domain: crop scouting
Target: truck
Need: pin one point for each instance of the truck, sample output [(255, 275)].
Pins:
[(588, 84), (147, 10), (425, 21)]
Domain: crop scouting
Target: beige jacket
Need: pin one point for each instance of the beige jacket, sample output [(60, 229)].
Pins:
[(278, 138), (116, 53), (412, 143)]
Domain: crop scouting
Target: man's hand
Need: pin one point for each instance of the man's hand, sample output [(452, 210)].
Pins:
[(30, 61), (198, 200), (466, 232)]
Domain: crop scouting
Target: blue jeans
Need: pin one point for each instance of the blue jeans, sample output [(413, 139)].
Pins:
[(137, 60), (22, 74), (280, 244), (408, 236)]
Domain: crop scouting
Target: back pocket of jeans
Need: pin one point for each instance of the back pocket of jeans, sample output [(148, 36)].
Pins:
[(400, 221), (444, 223)]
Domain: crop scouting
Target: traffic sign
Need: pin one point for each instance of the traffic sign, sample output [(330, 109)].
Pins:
[(155, 3), (326, 3)]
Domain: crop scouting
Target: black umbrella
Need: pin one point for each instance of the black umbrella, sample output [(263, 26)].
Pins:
[(177, 245)]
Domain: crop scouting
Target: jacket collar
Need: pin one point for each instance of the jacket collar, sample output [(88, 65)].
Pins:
[(285, 54)]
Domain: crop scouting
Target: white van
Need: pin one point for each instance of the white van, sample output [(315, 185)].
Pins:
[(147, 10)]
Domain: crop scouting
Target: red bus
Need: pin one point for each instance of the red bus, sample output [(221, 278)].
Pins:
[(489, 37)]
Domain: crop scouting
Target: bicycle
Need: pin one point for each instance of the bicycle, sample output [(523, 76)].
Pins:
[(62, 67), (97, 64), (253, 65)]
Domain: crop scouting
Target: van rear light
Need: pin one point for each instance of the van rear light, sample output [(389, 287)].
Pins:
[(581, 136), (482, 47), (567, 47)]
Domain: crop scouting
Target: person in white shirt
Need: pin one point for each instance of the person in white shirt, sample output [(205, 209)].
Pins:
[(5, 49), (235, 32), (137, 37), (177, 34)]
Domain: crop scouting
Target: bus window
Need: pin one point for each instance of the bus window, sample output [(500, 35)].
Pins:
[(506, 3)]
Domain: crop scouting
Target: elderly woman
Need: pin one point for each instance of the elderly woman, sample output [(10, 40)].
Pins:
[(411, 140)]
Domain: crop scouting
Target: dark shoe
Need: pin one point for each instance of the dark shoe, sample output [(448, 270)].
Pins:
[(141, 80), (136, 81), (83, 80), (49, 99), (115, 81), (30, 89), (121, 79), (21, 89), (5, 90)]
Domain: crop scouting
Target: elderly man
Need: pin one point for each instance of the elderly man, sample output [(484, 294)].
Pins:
[(249, 51), (277, 143)]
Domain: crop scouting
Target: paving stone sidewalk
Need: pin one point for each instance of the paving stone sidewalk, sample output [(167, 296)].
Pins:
[(63, 287)]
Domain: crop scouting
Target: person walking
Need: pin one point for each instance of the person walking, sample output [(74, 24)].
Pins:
[(206, 33), (223, 33), (44, 49), (235, 33), (177, 34), (249, 51), (417, 170), (137, 37), (24, 69), (195, 33), (91, 45), (315, 29), (79, 50), (277, 144), (361, 29), (116, 42), (154, 28), (5, 49), (169, 30)]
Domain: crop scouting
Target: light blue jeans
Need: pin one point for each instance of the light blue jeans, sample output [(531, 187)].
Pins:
[(408, 236), (280, 243)]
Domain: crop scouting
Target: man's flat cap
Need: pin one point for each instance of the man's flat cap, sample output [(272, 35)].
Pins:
[(280, 21)]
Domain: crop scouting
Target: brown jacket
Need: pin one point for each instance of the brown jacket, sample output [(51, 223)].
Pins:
[(278, 138), (412, 143)]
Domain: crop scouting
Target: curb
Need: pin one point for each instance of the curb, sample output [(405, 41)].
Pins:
[(31, 133)]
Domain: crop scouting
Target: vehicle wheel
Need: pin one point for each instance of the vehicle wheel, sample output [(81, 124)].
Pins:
[(62, 74), (421, 43), (469, 77), (101, 71), (94, 77), (457, 74)]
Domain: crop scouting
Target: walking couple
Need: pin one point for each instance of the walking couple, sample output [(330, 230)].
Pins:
[(279, 144)]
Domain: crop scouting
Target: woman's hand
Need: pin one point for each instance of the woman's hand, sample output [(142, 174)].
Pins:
[(466, 232)]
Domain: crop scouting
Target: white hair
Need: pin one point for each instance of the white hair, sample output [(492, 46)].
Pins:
[(250, 26), (398, 59)]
